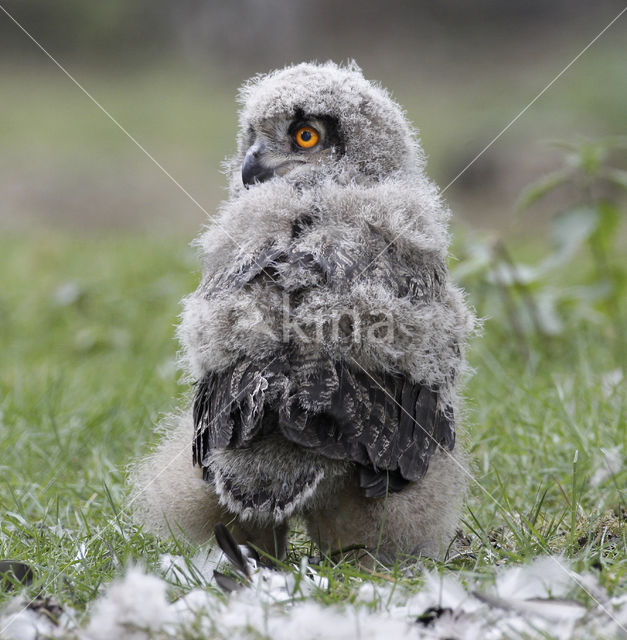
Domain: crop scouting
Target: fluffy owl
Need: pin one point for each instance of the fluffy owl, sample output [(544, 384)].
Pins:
[(325, 340)]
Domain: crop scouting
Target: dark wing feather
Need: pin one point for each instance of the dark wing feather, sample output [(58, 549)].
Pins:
[(388, 424), (231, 549), (377, 484), (230, 406)]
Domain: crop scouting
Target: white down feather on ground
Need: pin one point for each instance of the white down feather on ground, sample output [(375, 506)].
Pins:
[(531, 601)]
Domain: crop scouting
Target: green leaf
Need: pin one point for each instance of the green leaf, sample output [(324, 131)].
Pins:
[(571, 229), (617, 177), (547, 312), (615, 142), (507, 275), (605, 232), (477, 262), (591, 157), (537, 190)]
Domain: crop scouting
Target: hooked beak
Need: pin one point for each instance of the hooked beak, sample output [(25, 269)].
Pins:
[(253, 168)]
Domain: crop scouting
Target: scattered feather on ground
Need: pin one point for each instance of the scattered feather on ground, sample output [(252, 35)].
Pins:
[(543, 600)]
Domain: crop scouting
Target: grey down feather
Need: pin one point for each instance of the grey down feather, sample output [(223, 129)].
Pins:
[(325, 335)]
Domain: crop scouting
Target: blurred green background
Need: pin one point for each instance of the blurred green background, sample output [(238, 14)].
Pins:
[(94, 252), (168, 72)]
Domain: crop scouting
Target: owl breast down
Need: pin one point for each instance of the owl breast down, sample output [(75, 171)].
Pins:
[(276, 428)]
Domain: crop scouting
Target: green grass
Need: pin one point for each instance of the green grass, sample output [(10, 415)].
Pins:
[(87, 349), (81, 384), (87, 367)]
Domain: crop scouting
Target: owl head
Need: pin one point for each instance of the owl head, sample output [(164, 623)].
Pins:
[(312, 121)]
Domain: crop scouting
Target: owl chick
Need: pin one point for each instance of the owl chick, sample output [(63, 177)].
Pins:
[(325, 340)]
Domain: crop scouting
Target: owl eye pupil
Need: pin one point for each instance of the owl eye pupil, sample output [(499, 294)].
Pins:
[(306, 137)]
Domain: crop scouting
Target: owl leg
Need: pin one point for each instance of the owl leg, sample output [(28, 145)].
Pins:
[(169, 496), (419, 520)]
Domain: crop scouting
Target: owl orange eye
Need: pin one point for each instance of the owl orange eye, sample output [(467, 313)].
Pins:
[(307, 137)]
